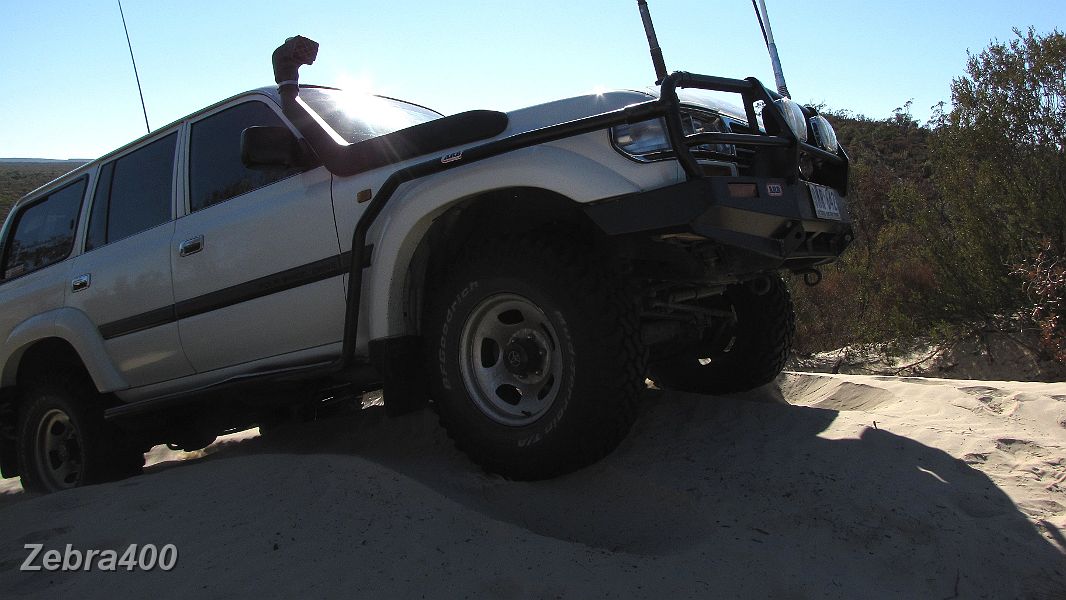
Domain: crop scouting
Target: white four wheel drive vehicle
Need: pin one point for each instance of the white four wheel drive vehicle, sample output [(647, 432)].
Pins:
[(524, 272)]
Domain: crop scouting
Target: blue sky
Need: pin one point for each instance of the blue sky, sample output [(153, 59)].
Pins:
[(68, 88)]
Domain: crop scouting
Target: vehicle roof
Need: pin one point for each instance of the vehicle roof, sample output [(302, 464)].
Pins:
[(269, 92)]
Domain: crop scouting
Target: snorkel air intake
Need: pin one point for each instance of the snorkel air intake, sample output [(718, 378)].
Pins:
[(350, 159), (287, 59), (296, 52)]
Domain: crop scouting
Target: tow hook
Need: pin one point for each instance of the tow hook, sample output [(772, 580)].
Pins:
[(759, 286), (811, 277)]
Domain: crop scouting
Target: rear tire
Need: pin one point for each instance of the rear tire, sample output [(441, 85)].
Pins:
[(536, 360), (63, 439), (761, 345)]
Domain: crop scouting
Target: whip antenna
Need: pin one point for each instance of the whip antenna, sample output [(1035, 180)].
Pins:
[(653, 42), (135, 75), (768, 37)]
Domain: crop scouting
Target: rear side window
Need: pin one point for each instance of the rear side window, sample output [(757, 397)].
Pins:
[(216, 172), (43, 233), (133, 193)]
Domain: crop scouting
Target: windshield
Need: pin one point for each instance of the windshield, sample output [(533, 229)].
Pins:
[(358, 117)]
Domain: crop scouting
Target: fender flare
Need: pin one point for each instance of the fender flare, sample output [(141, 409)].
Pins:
[(72, 326), (402, 227)]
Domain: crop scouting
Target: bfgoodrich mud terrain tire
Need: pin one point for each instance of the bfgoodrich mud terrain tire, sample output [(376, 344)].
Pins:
[(761, 344), (63, 439), (534, 355)]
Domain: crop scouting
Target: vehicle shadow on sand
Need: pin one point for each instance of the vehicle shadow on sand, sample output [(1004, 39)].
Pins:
[(742, 492), (748, 477)]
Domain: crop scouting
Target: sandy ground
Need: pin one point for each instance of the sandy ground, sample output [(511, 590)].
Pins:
[(1010, 354), (821, 486)]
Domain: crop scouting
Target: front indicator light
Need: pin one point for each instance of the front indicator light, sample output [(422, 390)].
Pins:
[(743, 190)]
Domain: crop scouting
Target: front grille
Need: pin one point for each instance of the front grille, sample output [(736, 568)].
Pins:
[(745, 156), (718, 168), (702, 122)]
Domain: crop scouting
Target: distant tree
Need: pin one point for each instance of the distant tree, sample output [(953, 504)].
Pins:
[(878, 290), (999, 169), (949, 214)]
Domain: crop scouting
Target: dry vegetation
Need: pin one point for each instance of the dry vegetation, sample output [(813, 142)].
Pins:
[(960, 222), (20, 178)]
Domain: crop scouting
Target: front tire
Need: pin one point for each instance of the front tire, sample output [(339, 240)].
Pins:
[(535, 354), (761, 342)]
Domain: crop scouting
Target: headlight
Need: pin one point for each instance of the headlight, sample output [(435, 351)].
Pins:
[(641, 139), (797, 121), (824, 134)]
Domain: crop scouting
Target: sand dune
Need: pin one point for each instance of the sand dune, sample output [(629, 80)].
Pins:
[(837, 486)]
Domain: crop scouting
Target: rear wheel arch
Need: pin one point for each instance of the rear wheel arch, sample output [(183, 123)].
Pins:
[(30, 363), (61, 436), (67, 326), (46, 355)]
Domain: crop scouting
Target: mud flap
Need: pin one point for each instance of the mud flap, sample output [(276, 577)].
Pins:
[(8, 418), (403, 376)]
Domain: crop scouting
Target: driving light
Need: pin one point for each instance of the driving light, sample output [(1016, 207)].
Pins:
[(794, 116), (824, 134)]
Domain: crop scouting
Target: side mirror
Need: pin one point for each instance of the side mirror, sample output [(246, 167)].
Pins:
[(273, 147)]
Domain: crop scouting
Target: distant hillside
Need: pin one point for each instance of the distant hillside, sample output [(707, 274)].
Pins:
[(20, 176), (75, 161)]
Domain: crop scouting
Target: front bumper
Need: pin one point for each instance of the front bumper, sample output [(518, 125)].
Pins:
[(758, 223)]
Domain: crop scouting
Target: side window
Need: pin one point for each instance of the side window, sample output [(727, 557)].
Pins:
[(216, 172), (133, 193), (43, 233)]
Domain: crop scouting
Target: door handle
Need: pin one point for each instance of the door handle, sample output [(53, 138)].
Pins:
[(80, 283), (191, 246)]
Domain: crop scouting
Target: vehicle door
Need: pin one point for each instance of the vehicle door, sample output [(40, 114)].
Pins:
[(34, 271), (256, 258), (122, 280)]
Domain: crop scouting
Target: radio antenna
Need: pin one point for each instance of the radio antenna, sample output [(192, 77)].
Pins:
[(653, 42), (135, 75), (768, 37)]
